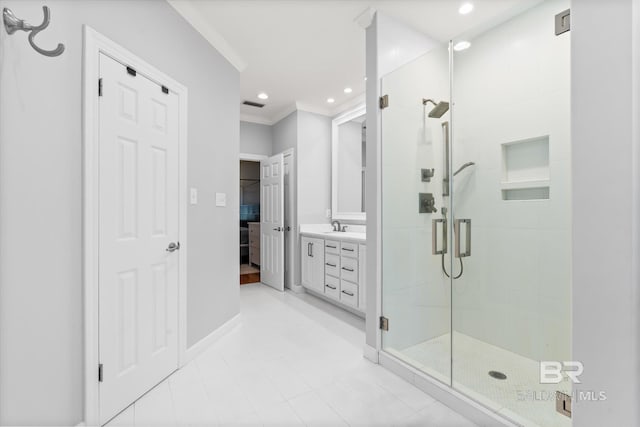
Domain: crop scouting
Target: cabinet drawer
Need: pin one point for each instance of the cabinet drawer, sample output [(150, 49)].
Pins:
[(332, 265), (349, 293), (349, 249), (349, 269), (332, 247), (332, 287)]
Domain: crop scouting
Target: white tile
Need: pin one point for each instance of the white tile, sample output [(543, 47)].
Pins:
[(190, 398), (279, 415), (288, 364), (156, 408), (315, 412), (436, 414), (250, 419), (290, 384), (125, 418)]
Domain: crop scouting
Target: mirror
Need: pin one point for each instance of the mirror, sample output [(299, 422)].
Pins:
[(348, 152)]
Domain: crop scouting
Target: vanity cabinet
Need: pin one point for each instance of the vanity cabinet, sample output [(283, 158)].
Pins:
[(313, 263), (335, 269)]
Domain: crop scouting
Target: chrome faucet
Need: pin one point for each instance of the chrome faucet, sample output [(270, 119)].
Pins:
[(336, 225)]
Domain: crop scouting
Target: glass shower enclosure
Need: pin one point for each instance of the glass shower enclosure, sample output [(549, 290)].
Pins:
[(476, 199)]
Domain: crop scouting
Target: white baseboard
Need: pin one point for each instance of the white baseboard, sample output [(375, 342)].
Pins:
[(193, 351), (370, 353), (298, 289)]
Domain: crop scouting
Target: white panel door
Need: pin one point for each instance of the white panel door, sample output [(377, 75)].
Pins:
[(272, 221), (139, 218)]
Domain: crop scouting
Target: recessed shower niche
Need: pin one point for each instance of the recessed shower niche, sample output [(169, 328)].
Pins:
[(525, 169)]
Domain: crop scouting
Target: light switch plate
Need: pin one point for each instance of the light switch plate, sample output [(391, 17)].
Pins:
[(193, 196), (328, 213), (221, 199)]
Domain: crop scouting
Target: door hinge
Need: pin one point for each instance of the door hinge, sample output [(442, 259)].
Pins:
[(100, 372), (100, 86), (384, 323), (132, 71), (384, 102), (563, 404), (563, 22), (165, 89)]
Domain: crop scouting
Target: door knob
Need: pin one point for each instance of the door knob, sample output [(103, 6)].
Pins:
[(173, 247), (277, 229)]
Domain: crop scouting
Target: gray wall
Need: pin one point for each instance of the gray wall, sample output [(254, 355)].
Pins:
[(314, 167), (285, 133), (41, 322), (256, 138)]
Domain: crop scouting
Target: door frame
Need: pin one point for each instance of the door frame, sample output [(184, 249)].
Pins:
[(293, 233), (95, 44)]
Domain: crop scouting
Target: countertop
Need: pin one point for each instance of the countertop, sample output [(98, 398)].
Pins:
[(337, 235)]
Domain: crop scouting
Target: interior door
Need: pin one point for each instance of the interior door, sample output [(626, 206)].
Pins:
[(138, 235), (272, 222)]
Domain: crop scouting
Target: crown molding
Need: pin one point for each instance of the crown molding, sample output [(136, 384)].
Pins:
[(194, 17), (251, 118)]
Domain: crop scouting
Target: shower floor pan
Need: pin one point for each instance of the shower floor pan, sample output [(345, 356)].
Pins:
[(520, 397)]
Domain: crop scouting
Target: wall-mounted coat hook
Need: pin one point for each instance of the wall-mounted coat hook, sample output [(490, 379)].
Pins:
[(13, 24)]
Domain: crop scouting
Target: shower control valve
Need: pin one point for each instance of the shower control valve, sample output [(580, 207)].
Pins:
[(426, 203)]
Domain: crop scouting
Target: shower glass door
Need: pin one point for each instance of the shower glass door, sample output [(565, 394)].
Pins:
[(489, 174), (416, 293), (511, 209)]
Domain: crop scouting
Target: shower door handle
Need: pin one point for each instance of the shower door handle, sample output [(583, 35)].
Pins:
[(434, 236), (467, 246)]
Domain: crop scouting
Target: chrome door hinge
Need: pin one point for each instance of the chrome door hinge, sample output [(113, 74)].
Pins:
[(100, 86), (100, 372), (563, 22), (384, 323), (384, 102), (131, 71)]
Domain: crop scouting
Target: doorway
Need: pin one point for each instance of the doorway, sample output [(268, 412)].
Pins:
[(134, 227), (249, 222)]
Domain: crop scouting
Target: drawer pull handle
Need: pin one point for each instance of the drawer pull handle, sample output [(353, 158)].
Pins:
[(332, 247), (347, 293), (331, 287), (330, 265), (347, 249), (347, 269)]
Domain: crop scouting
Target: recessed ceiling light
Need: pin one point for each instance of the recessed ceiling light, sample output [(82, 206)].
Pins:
[(263, 95), (348, 90), (462, 45), (331, 100), (465, 8)]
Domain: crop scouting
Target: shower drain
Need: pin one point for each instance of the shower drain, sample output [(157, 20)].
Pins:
[(497, 375)]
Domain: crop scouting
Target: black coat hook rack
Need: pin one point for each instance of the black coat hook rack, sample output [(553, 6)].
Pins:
[(13, 24)]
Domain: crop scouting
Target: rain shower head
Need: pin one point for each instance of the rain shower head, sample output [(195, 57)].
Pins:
[(439, 109)]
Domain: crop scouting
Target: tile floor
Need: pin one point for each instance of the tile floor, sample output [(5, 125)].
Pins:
[(293, 361)]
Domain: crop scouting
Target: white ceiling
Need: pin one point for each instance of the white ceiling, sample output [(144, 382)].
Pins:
[(302, 52)]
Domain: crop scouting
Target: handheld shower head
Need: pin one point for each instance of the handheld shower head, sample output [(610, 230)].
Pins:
[(439, 109)]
